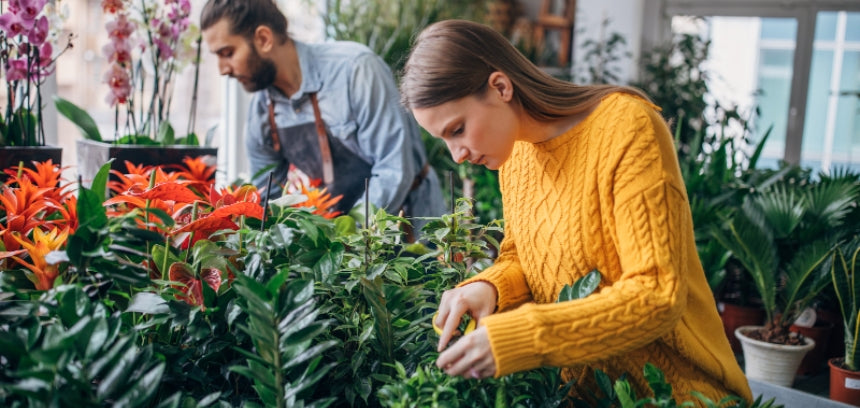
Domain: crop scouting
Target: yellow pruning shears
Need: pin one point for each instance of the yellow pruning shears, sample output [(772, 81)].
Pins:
[(467, 320)]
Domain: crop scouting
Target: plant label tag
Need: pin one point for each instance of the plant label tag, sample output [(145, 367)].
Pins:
[(852, 384), (806, 318)]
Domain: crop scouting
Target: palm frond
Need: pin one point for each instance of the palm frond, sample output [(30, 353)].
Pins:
[(828, 202), (805, 277), (783, 208), (751, 242)]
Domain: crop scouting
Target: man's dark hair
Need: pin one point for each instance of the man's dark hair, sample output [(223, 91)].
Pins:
[(245, 16)]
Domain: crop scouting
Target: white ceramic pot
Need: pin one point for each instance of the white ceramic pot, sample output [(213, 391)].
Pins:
[(771, 363)]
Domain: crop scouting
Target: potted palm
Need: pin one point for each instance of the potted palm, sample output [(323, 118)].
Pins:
[(781, 236), (845, 371), (150, 43), (27, 59)]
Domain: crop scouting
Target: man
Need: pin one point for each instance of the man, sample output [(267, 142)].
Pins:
[(330, 109)]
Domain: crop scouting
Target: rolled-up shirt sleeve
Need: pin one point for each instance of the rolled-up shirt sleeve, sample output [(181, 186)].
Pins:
[(385, 132)]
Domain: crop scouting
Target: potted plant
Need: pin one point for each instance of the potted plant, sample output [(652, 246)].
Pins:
[(151, 42), (845, 371), (781, 236), (27, 58)]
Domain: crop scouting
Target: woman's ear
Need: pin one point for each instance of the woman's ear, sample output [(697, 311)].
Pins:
[(501, 85), (264, 40)]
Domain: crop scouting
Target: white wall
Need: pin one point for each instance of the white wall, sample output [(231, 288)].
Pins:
[(625, 18)]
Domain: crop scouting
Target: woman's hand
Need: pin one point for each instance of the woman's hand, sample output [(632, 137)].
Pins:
[(470, 357), (478, 299)]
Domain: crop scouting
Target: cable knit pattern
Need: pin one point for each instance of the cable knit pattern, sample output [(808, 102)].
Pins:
[(607, 194)]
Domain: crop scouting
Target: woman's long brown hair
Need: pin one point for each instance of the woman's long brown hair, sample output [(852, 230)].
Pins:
[(453, 59)]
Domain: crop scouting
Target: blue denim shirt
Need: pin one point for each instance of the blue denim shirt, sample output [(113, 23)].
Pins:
[(360, 106)]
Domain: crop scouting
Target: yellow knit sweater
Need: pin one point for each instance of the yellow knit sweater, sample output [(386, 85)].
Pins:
[(607, 194)]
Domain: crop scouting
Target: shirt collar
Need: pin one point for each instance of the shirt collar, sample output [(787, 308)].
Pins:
[(311, 81)]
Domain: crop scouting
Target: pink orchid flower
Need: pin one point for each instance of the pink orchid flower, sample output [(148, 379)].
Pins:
[(30, 9), (39, 33), (11, 24), (112, 6), (16, 69)]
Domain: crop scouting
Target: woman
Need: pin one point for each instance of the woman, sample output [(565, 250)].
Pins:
[(590, 180)]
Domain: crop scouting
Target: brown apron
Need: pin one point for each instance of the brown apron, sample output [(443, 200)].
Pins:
[(311, 149)]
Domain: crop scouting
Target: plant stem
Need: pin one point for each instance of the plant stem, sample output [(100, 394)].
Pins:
[(192, 116)]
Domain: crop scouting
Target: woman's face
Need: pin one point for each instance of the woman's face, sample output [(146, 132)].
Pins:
[(481, 130)]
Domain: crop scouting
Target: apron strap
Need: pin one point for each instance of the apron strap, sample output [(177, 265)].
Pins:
[(322, 137), (276, 141), (325, 150)]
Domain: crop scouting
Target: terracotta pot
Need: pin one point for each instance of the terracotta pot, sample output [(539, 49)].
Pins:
[(769, 362), (12, 155), (844, 384), (814, 361), (735, 316)]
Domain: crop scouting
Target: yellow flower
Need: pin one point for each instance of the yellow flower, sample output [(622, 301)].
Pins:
[(43, 243)]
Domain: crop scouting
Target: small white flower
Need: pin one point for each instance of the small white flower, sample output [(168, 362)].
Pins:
[(289, 200)]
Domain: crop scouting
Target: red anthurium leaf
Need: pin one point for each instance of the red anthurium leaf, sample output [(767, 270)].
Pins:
[(182, 273), (171, 191), (212, 277), (135, 202), (253, 210), (214, 195), (208, 224)]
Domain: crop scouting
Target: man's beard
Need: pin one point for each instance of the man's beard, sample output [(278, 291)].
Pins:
[(262, 72)]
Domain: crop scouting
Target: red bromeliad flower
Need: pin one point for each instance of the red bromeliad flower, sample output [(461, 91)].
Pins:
[(46, 175), (23, 208), (69, 214), (138, 177), (197, 171)]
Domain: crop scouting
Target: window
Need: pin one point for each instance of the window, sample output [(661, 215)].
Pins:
[(831, 134), (804, 73)]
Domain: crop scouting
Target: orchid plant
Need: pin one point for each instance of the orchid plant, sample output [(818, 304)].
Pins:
[(28, 35), (149, 43)]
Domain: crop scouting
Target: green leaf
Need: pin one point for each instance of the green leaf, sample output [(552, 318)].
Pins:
[(148, 303), (79, 117), (587, 284), (166, 135), (142, 388), (99, 185), (91, 213), (344, 225), (580, 289), (657, 381)]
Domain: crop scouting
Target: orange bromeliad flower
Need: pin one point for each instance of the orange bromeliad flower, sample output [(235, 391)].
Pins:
[(46, 175), (197, 170), (320, 201), (43, 243), (23, 208), (137, 177)]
